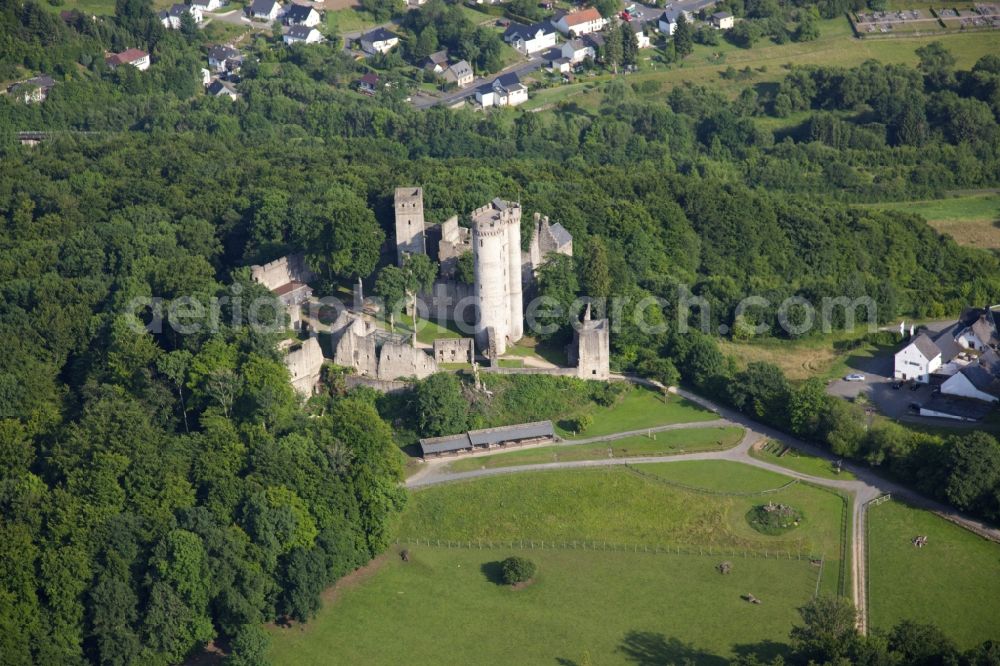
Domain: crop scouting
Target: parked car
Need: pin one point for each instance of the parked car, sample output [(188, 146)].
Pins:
[(897, 385), (915, 386), (914, 407), (854, 377)]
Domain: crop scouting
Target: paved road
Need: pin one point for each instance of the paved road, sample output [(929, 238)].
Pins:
[(866, 488), (522, 68)]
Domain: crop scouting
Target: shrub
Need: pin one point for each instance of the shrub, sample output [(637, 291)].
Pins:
[(517, 570), (580, 423)]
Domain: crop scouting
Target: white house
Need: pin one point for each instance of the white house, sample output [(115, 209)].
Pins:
[(580, 23), (436, 62), (977, 329), (460, 74), (723, 20), (577, 50), (265, 10), (529, 39), (379, 40), (667, 23), (561, 66), (135, 57), (302, 15), (639, 30), (171, 18), (917, 360), (304, 34), (506, 90), (207, 5), (979, 380), (224, 58), (368, 84)]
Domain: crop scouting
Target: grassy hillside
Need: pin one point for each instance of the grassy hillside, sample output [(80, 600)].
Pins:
[(971, 219)]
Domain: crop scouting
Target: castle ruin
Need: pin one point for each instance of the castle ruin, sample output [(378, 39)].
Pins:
[(286, 278), (496, 252)]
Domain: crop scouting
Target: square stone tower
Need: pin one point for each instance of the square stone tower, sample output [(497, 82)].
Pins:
[(409, 203)]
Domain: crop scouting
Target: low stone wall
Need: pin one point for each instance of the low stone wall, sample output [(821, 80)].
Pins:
[(382, 385)]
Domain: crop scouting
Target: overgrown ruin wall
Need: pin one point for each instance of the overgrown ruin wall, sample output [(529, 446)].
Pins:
[(304, 363)]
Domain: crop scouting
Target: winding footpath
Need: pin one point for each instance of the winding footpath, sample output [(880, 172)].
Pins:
[(867, 486)]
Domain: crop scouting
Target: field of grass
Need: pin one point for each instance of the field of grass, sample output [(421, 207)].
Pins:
[(427, 330), (951, 582), (348, 20), (803, 358), (669, 442), (443, 606), (971, 219), (769, 62), (617, 505), (528, 346), (639, 409), (799, 462)]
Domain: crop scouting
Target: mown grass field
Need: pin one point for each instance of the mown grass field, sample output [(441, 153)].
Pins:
[(442, 607), (953, 581), (799, 462), (640, 408), (971, 219), (665, 443), (616, 505)]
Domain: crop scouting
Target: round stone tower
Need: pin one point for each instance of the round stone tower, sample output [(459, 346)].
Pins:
[(513, 221), (490, 239)]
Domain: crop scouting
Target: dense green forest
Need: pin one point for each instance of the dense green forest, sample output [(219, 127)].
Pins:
[(159, 491)]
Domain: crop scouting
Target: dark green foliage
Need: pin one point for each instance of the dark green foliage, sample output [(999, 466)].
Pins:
[(773, 519), (441, 408), (517, 570)]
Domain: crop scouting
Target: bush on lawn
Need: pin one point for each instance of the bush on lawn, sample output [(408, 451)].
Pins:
[(517, 570)]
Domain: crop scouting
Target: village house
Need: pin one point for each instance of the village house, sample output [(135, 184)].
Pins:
[(979, 380), (582, 22), (667, 22), (436, 62), (460, 74), (33, 90), (918, 360), (578, 50), (529, 39), (224, 58), (220, 88), (723, 20), (265, 10), (207, 5), (302, 15), (302, 34), (135, 57), (379, 40), (171, 18), (506, 90), (639, 30), (561, 66), (977, 329), (368, 84)]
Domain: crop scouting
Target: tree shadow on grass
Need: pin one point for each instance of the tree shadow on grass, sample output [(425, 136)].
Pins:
[(493, 572), (765, 651), (648, 648)]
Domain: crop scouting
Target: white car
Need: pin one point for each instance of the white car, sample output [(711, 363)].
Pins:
[(854, 378)]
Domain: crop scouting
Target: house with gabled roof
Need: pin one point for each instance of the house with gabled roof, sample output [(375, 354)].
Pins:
[(580, 22), (207, 5), (460, 74), (505, 90), (265, 10), (918, 360), (436, 62), (220, 88), (379, 40), (135, 57), (303, 34), (171, 18), (723, 20), (529, 39), (368, 84), (224, 58), (979, 380), (977, 328), (302, 15)]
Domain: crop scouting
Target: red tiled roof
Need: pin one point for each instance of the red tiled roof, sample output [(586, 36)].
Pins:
[(583, 16), (126, 56)]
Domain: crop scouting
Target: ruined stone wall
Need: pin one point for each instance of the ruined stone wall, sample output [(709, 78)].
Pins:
[(593, 352), (396, 361), (304, 363), (354, 345), (409, 209), (290, 268), (454, 350)]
